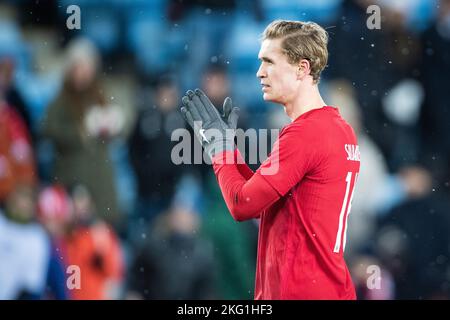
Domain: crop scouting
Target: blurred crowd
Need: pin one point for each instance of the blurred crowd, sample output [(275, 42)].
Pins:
[(92, 205)]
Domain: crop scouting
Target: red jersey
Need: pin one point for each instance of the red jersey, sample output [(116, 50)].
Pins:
[(302, 194), (302, 235)]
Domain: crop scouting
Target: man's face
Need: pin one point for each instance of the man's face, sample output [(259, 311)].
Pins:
[(20, 205), (278, 77), (216, 86), (82, 74), (167, 97)]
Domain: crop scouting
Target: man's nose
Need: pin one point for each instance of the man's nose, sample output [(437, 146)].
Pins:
[(260, 73)]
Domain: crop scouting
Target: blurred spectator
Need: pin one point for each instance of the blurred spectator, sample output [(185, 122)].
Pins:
[(435, 77), (174, 263), (413, 242), (26, 271), (12, 96), (93, 246), (54, 209), (216, 84), (80, 124), (150, 148), (235, 246), (17, 164)]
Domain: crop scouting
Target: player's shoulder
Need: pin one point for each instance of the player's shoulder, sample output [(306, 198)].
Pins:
[(306, 126), (302, 134), (323, 127)]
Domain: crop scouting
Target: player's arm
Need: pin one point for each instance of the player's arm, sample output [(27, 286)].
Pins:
[(245, 199), (243, 168), (245, 194)]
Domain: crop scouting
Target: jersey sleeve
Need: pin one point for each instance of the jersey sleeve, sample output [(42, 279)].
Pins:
[(245, 198), (243, 168)]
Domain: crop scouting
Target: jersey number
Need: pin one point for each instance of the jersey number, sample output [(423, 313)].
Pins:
[(345, 211)]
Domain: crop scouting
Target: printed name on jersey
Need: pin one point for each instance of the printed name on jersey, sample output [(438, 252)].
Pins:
[(352, 152)]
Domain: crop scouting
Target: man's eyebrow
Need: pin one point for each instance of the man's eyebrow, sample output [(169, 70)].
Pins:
[(265, 59)]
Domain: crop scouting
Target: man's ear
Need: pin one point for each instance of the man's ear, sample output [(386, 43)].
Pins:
[(304, 68)]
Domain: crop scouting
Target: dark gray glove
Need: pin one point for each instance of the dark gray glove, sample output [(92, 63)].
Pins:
[(215, 132)]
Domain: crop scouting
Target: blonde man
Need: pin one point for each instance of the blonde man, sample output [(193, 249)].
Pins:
[(302, 193)]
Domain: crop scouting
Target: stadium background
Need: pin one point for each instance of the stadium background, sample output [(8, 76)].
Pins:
[(86, 177)]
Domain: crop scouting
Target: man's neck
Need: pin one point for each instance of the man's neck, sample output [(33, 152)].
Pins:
[(305, 101)]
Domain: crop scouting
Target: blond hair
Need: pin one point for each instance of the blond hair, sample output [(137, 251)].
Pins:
[(301, 40)]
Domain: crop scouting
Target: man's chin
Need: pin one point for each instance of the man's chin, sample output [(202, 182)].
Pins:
[(269, 98)]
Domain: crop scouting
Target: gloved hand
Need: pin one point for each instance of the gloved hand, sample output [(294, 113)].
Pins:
[(216, 134)]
